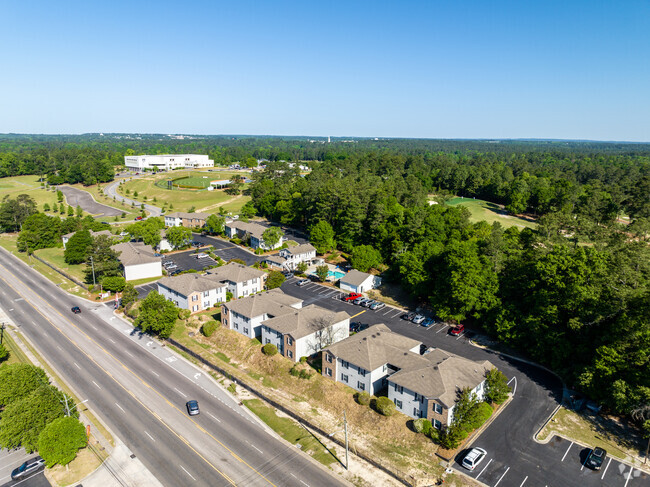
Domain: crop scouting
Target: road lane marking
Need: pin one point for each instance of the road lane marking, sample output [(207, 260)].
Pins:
[(514, 389), (522, 484), (181, 393), (128, 353), (59, 348), (567, 451), (75, 364), (120, 407), (187, 473), (150, 436), (303, 483), (96, 384), (155, 373), (488, 464), (605, 471), (501, 478), (218, 420)]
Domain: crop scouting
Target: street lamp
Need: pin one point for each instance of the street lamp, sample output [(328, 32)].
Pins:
[(67, 409), (345, 429), (93, 267)]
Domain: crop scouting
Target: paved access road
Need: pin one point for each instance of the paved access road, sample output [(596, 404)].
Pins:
[(514, 458), (111, 191), (140, 389), (77, 197)]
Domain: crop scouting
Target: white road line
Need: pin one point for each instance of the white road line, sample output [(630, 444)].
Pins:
[(96, 385), (182, 394), (128, 353), (629, 476), (95, 328), (388, 311), (120, 407), (150, 436), (293, 475), (501, 478), (75, 364), (213, 416), (155, 373), (522, 484), (514, 389), (258, 449), (605, 471), (34, 323), (488, 464), (567, 451), (45, 333), (188, 473), (303, 483), (59, 348), (111, 340)]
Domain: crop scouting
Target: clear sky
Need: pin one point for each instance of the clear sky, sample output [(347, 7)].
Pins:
[(567, 69)]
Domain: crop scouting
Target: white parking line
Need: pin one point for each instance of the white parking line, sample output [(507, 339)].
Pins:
[(605, 471), (522, 484), (501, 478), (629, 476), (462, 334), (441, 328), (389, 310), (567, 451), (488, 464), (587, 458), (187, 473)]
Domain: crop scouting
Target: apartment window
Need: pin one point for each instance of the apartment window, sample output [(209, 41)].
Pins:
[(236, 326), (437, 424), (206, 294), (195, 297), (362, 372), (398, 403), (399, 389), (344, 364), (384, 368), (206, 304), (195, 307), (289, 353), (246, 330), (225, 322), (361, 386), (267, 341), (344, 378), (328, 372), (437, 408), (289, 341), (416, 412), (329, 358)]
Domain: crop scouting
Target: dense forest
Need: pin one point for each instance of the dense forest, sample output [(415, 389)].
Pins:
[(574, 294)]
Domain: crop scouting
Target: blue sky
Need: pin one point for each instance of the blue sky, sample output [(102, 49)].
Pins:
[(435, 69)]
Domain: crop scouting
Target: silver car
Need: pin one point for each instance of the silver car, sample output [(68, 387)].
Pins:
[(473, 458), (377, 305), (28, 468), (417, 319), (360, 300)]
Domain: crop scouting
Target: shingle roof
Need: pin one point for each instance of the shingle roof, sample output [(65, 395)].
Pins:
[(374, 347), (188, 216), (272, 303), (355, 277), (275, 259), (440, 375), (234, 272), (134, 253), (186, 284), (301, 249), (303, 322), (254, 229)]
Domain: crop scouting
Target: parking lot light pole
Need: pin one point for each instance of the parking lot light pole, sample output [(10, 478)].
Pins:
[(345, 429), (2, 332)]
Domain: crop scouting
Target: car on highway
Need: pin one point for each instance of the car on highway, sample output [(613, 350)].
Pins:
[(377, 305), (192, 407), (457, 330), (28, 468), (76, 310), (473, 458), (303, 282), (352, 296), (418, 319), (596, 458)]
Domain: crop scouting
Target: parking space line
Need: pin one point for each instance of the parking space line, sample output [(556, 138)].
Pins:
[(488, 464), (441, 328), (605, 471), (629, 476), (585, 462), (522, 484), (501, 478), (567, 451), (462, 334)]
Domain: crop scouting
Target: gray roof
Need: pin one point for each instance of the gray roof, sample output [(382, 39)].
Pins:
[(254, 229), (355, 277), (186, 284), (301, 249), (275, 259), (374, 347), (303, 322), (188, 216), (134, 253), (234, 272), (92, 234), (272, 303), (440, 375)]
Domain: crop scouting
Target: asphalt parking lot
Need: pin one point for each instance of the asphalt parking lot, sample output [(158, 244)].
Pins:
[(11, 459), (76, 197), (227, 250)]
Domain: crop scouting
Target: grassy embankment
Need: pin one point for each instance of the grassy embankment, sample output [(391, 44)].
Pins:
[(482, 210)]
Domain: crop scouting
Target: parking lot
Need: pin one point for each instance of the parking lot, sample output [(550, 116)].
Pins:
[(227, 250), (11, 459)]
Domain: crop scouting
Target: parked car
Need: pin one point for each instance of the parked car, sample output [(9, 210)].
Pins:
[(137, 218), (287, 274), (377, 305), (303, 282), (473, 458), (357, 326), (409, 316), (28, 468), (428, 322), (417, 319), (124, 234), (196, 244), (76, 310), (201, 255), (360, 300), (173, 266), (457, 330), (192, 407), (368, 303), (596, 458), (351, 297)]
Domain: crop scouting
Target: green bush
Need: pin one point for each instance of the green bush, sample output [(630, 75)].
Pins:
[(114, 283), (269, 349), (304, 374), (362, 398), (481, 415), (303, 360), (258, 251), (294, 371), (452, 437), (4, 353), (422, 425), (209, 328), (434, 434), (385, 406), (184, 314)]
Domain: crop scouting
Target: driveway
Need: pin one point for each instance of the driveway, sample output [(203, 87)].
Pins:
[(227, 250), (77, 197), (111, 191), (11, 459)]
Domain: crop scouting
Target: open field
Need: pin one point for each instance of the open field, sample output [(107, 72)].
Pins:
[(194, 182), (29, 185), (482, 210), (97, 192), (55, 257)]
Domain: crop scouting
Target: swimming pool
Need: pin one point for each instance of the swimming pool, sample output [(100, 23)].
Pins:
[(335, 274)]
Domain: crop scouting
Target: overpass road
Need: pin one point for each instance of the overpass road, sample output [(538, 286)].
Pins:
[(139, 389)]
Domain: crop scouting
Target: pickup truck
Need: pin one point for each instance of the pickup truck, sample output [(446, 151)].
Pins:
[(352, 296)]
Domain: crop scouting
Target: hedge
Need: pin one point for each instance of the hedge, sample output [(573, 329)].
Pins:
[(209, 328), (269, 349), (363, 398), (385, 406)]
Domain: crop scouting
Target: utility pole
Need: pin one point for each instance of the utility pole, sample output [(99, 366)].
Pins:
[(67, 408), (345, 427), (92, 264), (2, 332)]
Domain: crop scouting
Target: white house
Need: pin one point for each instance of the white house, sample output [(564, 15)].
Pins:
[(184, 219), (68, 236), (164, 243), (241, 280), (359, 282), (254, 231), (246, 315), (167, 162), (138, 260), (305, 331), (296, 255), (365, 360), (192, 291)]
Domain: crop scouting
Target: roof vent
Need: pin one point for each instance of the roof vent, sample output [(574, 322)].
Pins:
[(365, 338)]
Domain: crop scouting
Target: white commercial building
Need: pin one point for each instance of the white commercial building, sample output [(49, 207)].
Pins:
[(138, 260), (167, 162)]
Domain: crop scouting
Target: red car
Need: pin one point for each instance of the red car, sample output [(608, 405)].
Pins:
[(138, 218), (352, 296), (457, 330)]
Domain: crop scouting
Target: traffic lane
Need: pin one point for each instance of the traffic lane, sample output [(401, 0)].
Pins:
[(77, 197)]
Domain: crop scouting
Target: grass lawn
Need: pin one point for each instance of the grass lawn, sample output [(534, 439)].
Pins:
[(146, 280), (595, 430), (16, 355), (29, 185), (490, 212), (55, 257)]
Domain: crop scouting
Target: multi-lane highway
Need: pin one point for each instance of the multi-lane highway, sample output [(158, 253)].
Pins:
[(140, 389)]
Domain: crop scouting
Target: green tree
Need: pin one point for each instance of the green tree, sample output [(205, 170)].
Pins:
[(497, 388), (104, 260), (60, 441), (113, 283), (39, 231), (62, 209), (272, 236), (59, 195), (302, 267), (77, 248), (149, 231), (321, 236), (46, 207), (18, 380), (178, 236), (274, 279), (14, 212), (129, 295), (55, 208), (322, 271), (365, 257), (214, 224), (157, 315), (4, 353), (79, 212)]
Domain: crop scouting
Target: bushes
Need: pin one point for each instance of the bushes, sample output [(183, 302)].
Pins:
[(298, 372), (362, 398), (183, 314), (269, 349), (209, 328), (481, 415), (114, 283), (422, 425), (4, 353), (385, 406)]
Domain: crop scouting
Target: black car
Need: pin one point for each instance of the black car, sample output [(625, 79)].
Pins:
[(76, 310), (28, 468), (596, 458), (192, 407), (409, 316)]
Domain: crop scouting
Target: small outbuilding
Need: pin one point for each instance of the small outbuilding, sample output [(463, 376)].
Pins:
[(359, 282)]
